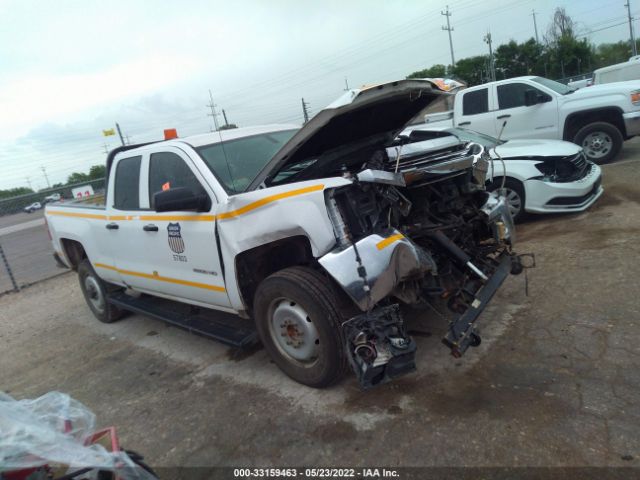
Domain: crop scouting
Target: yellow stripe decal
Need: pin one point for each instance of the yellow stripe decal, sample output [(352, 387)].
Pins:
[(73, 214), (195, 218), (267, 200), (160, 278), (178, 218), (388, 241)]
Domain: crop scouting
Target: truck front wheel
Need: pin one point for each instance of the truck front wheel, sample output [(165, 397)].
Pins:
[(298, 320), (95, 290), (601, 141)]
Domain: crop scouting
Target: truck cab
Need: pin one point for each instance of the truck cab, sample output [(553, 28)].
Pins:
[(598, 118)]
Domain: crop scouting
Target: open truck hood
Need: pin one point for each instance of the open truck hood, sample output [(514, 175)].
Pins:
[(369, 117)]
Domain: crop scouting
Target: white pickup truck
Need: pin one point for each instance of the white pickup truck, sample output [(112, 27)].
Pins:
[(598, 118), (310, 238)]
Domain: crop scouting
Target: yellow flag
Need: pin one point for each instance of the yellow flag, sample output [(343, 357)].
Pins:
[(106, 133)]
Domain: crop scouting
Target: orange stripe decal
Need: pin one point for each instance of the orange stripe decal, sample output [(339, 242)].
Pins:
[(195, 218), (267, 200), (160, 278), (74, 214), (389, 240)]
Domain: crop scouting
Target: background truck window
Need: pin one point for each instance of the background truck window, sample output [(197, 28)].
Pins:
[(475, 102), (127, 186), (167, 170), (511, 95)]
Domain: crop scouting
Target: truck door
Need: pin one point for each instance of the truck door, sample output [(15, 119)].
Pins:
[(534, 121), (475, 112), (180, 248)]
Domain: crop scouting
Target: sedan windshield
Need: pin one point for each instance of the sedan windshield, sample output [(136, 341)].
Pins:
[(557, 87), (235, 163)]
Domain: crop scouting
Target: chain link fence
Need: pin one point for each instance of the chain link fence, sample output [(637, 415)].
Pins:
[(26, 254)]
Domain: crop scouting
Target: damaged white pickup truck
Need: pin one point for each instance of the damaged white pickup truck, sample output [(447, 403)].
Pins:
[(311, 237)]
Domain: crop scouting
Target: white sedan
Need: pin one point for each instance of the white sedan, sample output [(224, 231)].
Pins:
[(540, 176), (33, 207)]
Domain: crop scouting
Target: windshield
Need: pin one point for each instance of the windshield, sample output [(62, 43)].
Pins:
[(235, 163), (553, 85)]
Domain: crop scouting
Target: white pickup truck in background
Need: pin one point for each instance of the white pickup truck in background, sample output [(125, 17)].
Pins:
[(314, 234), (598, 118)]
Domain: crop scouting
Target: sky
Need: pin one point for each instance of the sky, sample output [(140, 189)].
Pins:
[(69, 69)]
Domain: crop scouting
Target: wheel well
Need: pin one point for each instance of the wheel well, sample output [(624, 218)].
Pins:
[(256, 264), (74, 251), (576, 121)]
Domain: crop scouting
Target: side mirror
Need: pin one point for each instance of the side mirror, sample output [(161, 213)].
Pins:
[(180, 199), (530, 97)]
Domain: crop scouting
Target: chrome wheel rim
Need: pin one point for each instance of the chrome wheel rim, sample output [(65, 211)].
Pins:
[(293, 332), (514, 202), (597, 144), (94, 293)]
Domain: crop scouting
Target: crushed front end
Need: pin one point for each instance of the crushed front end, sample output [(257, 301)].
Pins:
[(418, 230)]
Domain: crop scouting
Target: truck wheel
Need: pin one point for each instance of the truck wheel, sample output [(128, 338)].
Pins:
[(95, 290), (601, 141), (298, 320), (514, 194)]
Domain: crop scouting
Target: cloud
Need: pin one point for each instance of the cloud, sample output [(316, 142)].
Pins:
[(36, 98)]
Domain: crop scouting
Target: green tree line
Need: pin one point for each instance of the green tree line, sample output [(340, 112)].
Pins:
[(561, 55), (96, 172)]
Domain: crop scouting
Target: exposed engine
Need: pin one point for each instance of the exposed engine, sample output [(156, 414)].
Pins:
[(412, 229)]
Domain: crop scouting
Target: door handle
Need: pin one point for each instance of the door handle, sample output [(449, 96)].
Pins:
[(150, 228), (464, 123), (504, 116), (112, 226)]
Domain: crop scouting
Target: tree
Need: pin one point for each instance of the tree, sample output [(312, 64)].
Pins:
[(228, 127), (77, 177), (14, 192), (514, 59), (562, 26), (473, 70), (435, 71), (97, 171)]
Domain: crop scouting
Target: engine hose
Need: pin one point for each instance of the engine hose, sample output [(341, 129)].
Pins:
[(456, 252)]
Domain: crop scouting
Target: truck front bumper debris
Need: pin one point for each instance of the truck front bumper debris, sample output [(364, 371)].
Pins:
[(378, 346), (461, 333), (389, 259)]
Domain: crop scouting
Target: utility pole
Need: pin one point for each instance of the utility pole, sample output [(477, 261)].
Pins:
[(45, 176), (634, 49), (492, 67), (29, 182), (120, 133), (128, 139), (535, 25), (213, 113), (449, 29), (224, 114), (305, 113), (346, 85), (105, 148)]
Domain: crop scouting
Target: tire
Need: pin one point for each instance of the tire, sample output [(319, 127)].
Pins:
[(601, 141), (95, 291), (298, 320), (515, 196)]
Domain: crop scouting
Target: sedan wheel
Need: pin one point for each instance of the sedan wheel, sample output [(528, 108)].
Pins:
[(513, 201)]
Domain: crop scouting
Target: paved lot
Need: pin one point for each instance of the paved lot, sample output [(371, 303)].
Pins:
[(555, 382)]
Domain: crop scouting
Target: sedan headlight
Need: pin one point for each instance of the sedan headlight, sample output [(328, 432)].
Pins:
[(635, 97)]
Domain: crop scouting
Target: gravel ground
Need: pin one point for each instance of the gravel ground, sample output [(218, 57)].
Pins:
[(554, 383)]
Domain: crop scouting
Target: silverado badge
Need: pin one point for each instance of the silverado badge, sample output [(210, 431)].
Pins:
[(176, 243)]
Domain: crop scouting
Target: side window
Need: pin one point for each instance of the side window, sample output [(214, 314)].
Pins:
[(167, 170), (511, 95), (475, 102), (127, 184)]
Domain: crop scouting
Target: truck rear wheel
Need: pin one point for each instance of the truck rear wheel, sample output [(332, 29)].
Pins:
[(95, 291), (601, 141), (298, 320)]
